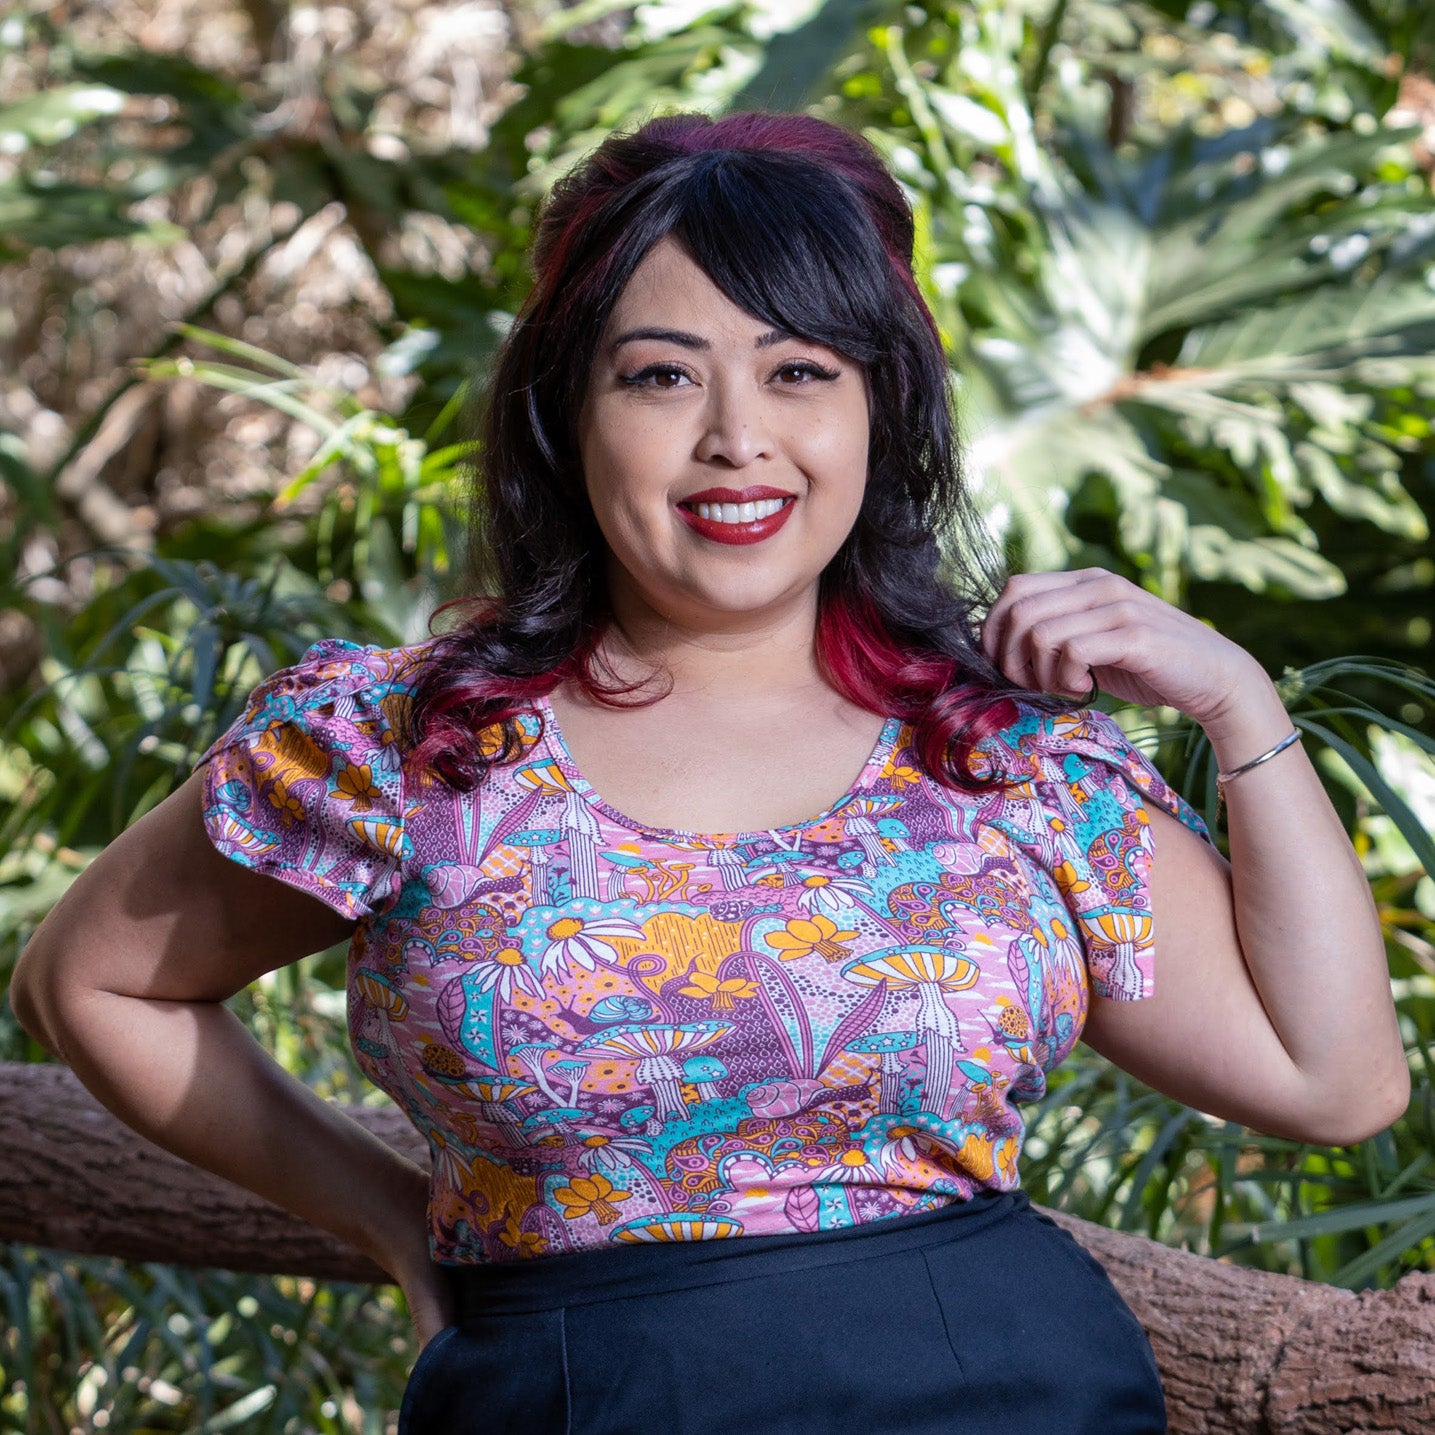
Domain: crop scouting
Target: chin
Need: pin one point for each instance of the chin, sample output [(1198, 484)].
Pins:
[(743, 599)]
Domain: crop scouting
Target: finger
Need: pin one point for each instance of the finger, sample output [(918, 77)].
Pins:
[(1017, 587), (1062, 652), (1030, 597), (1036, 628)]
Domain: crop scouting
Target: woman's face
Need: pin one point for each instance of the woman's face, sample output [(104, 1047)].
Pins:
[(725, 461)]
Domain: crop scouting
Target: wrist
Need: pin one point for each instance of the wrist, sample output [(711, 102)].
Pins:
[(394, 1227), (1248, 723)]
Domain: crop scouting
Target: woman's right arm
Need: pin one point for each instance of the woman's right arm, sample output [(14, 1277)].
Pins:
[(125, 981)]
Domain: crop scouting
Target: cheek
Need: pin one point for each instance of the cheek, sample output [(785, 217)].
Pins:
[(840, 451), (619, 477)]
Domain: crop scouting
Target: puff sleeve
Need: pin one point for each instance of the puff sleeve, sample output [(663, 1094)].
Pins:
[(307, 784), (1091, 787)]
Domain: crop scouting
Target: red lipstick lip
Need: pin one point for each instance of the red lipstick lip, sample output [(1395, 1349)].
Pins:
[(736, 533), (736, 495)]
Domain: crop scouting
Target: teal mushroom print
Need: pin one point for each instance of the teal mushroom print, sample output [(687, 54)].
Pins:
[(531, 1054), (559, 1118), (572, 1072), (620, 864), (641, 1118), (702, 1071), (888, 1045), (538, 840)]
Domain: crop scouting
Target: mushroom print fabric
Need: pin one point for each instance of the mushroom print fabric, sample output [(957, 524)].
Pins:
[(611, 1033)]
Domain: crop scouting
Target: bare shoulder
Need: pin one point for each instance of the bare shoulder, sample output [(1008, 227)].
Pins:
[(161, 913)]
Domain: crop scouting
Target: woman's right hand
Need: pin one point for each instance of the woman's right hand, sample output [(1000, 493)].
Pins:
[(401, 1247), (429, 1299)]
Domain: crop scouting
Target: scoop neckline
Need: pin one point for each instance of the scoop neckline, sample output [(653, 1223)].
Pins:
[(557, 745)]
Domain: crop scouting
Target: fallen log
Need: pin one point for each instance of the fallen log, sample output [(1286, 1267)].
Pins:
[(1241, 1352)]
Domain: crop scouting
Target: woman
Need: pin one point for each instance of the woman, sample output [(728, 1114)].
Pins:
[(721, 1095)]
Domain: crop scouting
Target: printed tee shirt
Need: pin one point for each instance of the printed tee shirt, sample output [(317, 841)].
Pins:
[(610, 1032)]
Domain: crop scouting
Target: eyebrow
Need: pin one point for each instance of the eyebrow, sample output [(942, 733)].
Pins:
[(695, 341)]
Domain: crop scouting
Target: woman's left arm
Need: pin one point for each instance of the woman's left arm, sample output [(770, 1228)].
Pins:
[(1271, 1003)]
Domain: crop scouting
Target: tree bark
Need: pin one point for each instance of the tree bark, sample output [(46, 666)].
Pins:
[(1241, 1352)]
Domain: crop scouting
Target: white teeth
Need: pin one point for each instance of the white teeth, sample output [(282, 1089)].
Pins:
[(739, 512)]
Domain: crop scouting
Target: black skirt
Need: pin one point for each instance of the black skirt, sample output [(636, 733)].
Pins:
[(983, 1318)]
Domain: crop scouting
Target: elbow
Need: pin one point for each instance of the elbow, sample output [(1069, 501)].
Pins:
[(1383, 1105), (27, 1005)]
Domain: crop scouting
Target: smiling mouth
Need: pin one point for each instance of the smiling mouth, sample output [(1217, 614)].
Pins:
[(753, 512), (737, 516)]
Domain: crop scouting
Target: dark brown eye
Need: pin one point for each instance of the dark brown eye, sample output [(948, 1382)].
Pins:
[(655, 372), (807, 370)]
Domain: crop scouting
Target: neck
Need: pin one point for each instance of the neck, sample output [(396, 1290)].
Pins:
[(770, 652)]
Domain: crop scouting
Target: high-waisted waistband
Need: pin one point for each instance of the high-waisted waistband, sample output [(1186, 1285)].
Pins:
[(586, 1277)]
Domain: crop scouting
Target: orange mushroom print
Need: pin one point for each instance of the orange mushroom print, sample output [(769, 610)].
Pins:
[(668, 1036)]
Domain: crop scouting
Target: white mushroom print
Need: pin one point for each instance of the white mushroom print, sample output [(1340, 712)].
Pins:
[(538, 841), (1116, 932), (494, 1099), (531, 1054), (655, 1047), (570, 1071), (932, 970)]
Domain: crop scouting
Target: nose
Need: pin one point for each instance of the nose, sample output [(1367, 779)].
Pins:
[(735, 427)]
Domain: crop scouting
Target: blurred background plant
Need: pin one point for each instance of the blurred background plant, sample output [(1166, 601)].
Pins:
[(254, 257)]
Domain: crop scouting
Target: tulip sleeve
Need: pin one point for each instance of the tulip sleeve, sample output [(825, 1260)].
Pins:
[(307, 784), (1089, 787), (1095, 785)]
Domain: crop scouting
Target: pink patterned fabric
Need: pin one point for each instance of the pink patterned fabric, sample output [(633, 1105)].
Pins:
[(612, 1033)]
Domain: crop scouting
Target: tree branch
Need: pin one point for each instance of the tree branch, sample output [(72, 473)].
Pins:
[(1241, 1352)]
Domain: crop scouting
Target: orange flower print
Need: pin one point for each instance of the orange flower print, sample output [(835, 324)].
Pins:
[(489, 740), (527, 1243), (720, 993), (355, 784), (291, 810), (1067, 881), (804, 935), (899, 774), (591, 1194), (1006, 1158)]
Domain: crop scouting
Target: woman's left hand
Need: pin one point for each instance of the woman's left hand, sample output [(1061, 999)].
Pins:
[(1060, 632)]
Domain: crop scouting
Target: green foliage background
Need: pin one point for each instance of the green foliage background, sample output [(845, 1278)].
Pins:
[(1183, 257)]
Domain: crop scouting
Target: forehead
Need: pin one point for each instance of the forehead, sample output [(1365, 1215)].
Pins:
[(669, 285)]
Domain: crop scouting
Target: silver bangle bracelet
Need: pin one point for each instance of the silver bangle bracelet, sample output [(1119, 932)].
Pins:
[(1281, 746)]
